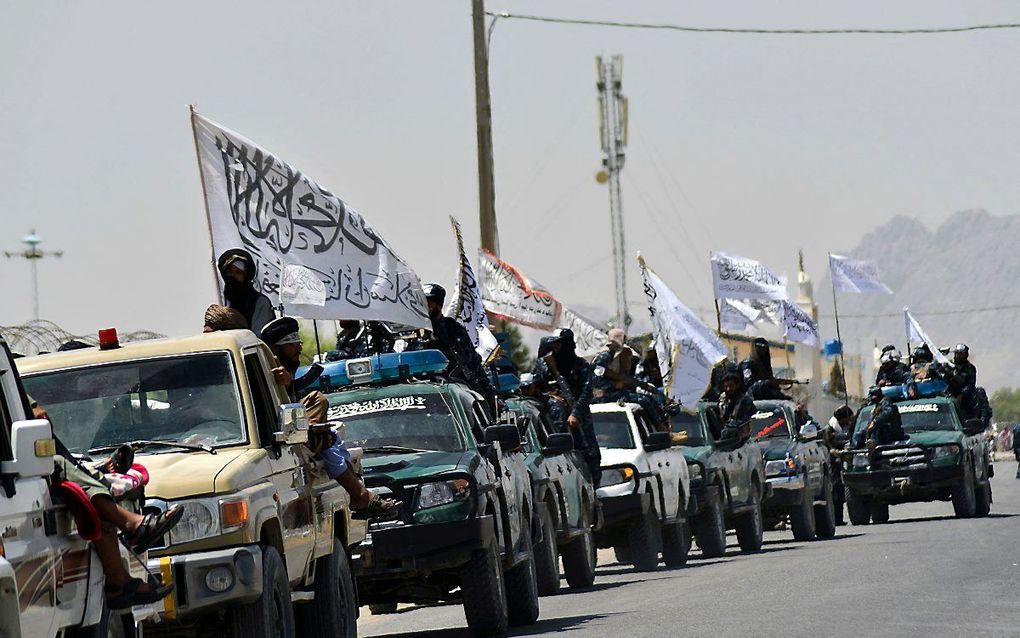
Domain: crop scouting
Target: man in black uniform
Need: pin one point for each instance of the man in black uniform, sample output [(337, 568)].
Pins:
[(237, 268), (759, 379), (450, 337), (613, 380), (892, 371), (964, 370), (884, 427), (736, 405)]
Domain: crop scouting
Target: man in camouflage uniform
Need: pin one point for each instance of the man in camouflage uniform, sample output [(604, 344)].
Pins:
[(450, 337), (559, 366), (614, 382), (884, 427)]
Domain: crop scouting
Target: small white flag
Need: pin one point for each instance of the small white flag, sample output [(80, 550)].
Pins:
[(856, 275), (798, 325), (687, 348), (466, 303), (742, 278), (917, 334), (738, 315), (589, 336)]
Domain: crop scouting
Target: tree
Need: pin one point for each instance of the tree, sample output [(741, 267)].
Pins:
[(327, 340), (519, 354), (1006, 405), (836, 383)]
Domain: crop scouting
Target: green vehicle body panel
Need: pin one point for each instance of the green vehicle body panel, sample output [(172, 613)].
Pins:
[(737, 469)]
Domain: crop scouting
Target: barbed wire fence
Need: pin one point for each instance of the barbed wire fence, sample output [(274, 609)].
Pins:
[(40, 336)]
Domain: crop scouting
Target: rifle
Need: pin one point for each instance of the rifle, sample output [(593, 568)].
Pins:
[(564, 387)]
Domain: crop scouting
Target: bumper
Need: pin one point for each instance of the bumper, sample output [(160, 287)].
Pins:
[(900, 481), (399, 552), (187, 572), (784, 491), (619, 509)]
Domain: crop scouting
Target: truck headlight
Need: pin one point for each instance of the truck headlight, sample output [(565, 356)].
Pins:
[(616, 476), (779, 467), (208, 517), (694, 471), (860, 460), (441, 493), (945, 451)]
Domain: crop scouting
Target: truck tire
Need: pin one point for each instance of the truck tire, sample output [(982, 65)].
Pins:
[(750, 526), (111, 625), (622, 553), (334, 611), (481, 582), (271, 615), (879, 512), (710, 528), (983, 499), (802, 517), (579, 558), (858, 508), (825, 515), (547, 557), (643, 542), (522, 586), (675, 545), (964, 499)]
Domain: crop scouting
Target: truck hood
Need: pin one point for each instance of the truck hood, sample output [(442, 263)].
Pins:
[(699, 453), (176, 475), (400, 467), (935, 437), (618, 456), (776, 449)]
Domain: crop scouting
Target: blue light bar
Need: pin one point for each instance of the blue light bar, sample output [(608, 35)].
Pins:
[(924, 389), (504, 383), (390, 366)]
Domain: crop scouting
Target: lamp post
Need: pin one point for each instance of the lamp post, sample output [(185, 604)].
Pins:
[(33, 254)]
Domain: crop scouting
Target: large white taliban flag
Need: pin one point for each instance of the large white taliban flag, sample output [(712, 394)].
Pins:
[(686, 347), (509, 295), (465, 305), (735, 314), (742, 278), (798, 325), (916, 334), (589, 336), (856, 275), (314, 254)]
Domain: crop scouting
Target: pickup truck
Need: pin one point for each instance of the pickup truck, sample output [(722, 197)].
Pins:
[(564, 497), (644, 491), (466, 525), (263, 547), (728, 482), (51, 582), (944, 458)]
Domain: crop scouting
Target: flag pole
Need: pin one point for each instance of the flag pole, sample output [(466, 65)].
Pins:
[(839, 336), (205, 202), (718, 319)]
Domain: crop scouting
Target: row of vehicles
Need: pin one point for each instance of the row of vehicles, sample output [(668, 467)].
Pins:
[(490, 512)]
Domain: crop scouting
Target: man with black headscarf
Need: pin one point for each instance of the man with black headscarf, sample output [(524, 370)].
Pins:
[(759, 379), (452, 338), (559, 364), (237, 268)]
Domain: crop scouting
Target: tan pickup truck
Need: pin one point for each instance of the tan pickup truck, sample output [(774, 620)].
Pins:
[(263, 546)]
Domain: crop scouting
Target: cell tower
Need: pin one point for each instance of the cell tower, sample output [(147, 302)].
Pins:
[(613, 136)]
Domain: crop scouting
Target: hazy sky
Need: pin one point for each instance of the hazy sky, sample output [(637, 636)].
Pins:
[(752, 144)]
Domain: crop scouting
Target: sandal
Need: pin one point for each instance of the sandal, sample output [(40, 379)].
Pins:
[(379, 509), (153, 528), (129, 595)]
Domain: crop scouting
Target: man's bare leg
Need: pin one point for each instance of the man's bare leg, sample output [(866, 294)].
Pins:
[(360, 496)]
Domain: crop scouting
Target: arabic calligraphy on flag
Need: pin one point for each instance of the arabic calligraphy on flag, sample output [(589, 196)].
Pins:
[(259, 202), (589, 336), (466, 303), (742, 278), (509, 295), (856, 275)]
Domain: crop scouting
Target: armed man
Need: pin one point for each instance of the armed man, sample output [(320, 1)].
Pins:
[(884, 427), (963, 369), (759, 377), (736, 405), (892, 370), (613, 379)]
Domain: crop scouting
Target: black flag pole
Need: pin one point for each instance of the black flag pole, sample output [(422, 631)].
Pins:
[(839, 336)]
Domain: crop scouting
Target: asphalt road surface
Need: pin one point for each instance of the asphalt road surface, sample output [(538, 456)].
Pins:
[(924, 573)]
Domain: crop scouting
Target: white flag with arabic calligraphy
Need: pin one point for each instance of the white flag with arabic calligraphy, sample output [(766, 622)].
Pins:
[(856, 275), (589, 336), (742, 278), (511, 296), (465, 305)]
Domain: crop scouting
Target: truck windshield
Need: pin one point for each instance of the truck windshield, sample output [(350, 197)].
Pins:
[(613, 430), (189, 399), (918, 416), (417, 422), (770, 423), (691, 424)]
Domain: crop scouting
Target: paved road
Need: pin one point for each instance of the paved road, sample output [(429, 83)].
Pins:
[(922, 574)]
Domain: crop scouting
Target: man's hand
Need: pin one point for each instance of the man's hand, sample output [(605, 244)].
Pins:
[(573, 422), (282, 377), (40, 412)]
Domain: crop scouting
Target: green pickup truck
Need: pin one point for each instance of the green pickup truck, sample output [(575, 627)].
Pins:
[(564, 500), (945, 458), (464, 530), (727, 482)]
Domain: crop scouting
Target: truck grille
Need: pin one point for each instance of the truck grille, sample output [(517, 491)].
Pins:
[(903, 457)]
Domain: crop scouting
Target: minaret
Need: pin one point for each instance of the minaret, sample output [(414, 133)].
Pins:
[(807, 360)]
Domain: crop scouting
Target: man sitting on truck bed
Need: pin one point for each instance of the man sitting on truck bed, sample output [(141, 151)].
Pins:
[(613, 379), (885, 427)]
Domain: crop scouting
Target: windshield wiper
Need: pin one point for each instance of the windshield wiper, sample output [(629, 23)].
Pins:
[(399, 449), (144, 443)]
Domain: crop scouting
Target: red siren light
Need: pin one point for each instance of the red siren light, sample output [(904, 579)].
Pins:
[(108, 339)]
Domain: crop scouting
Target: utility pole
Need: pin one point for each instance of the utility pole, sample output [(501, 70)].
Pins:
[(613, 136), (483, 120), (33, 254)]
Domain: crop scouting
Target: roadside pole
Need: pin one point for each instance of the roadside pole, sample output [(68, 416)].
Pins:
[(839, 337), (483, 123)]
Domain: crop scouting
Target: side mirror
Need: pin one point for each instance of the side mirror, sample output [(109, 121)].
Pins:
[(293, 425), (559, 443), (808, 433), (658, 441), (34, 448), (973, 426), (508, 436)]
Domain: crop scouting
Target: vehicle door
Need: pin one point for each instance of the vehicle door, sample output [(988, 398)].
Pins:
[(661, 463), (510, 468), (723, 454), (813, 455), (290, 464), (566, 472)]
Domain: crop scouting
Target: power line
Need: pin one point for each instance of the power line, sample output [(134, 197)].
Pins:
[(690, 29), (930, 313)]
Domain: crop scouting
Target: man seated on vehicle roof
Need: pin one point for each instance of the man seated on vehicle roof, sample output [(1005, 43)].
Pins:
[(613, 380), (884, 427), (923, 366), (237, 268), (892, 370), (759, 378), (736, 405), (963, 369), (973, 402), (359, 339)]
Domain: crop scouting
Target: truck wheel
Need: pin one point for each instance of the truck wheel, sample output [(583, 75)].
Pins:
[(547, 558), (622, 553), (643, 542), (334, 611), (964, 499), (749, 526), (802, 517), (111, 625), (579, 558), (825, 515), (272, 615), (675, 545), (879, 512), (522, 586), (710, 528), (983, 499), (858, 508), (481, 582)]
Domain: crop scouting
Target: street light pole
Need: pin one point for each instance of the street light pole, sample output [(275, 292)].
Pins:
[(33, 254)]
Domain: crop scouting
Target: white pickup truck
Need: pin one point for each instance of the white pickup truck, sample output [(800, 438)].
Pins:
[(51, 582), (644, 490)]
